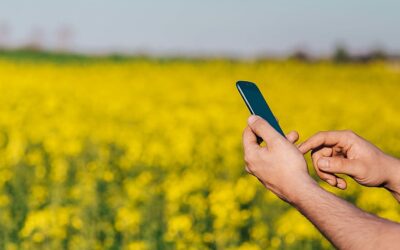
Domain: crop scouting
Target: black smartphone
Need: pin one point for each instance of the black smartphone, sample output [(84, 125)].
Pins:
[(257, 105)]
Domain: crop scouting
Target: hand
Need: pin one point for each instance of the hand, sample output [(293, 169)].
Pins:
[(344, 152), (279, 165)]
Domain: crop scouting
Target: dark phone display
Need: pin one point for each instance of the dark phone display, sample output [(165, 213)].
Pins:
[(257, 104)]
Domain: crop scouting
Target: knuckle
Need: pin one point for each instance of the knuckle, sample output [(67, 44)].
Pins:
[(258, 123), (334, 163), (339, 163)]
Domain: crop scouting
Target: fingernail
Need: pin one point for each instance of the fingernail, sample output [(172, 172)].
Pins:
[(331, 182), (252, 119), (323, 163)]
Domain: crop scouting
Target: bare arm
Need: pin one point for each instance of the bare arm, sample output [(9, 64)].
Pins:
[(280, 167), (344, 225)]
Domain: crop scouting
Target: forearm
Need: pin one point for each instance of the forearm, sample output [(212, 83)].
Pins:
[(344, 225), (393, 179)]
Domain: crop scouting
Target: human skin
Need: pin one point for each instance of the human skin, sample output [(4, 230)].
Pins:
[(281, 168), (344, 152)]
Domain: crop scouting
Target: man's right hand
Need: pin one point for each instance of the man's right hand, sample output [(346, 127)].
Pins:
[(344, 152)]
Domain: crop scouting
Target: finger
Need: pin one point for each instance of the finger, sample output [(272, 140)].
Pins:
[(338, 165), (293, 136), (327, 138), (327, 177), (338, 152), (327, 153), (341, 183), (249, 140), (263, 129)]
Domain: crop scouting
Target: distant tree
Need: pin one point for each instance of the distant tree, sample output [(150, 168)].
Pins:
[(373, 55), (300, 55), (378, 54), (341, 55)]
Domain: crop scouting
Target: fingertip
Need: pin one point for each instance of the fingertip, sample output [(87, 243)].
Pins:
[(293, 136), (252, 119), (332, 182), (341, 183)]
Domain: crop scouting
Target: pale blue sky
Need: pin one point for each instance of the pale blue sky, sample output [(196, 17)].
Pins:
[(212, 27)]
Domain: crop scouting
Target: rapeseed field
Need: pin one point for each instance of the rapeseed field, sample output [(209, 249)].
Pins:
[(146, 154)]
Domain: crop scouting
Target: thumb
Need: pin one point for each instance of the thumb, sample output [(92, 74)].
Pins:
[(337, 165), (263, 129)]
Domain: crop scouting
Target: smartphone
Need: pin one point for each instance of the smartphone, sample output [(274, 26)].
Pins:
[(257, 105)]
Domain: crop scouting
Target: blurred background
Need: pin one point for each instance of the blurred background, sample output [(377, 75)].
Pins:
[(222, 28), (120, 124)]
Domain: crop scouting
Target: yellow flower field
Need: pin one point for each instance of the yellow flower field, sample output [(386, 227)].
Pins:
[(146, 154)]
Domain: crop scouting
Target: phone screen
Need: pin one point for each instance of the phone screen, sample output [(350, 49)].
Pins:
[(257, 104)]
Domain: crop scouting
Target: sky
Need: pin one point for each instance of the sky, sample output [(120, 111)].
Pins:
[(185, 27)]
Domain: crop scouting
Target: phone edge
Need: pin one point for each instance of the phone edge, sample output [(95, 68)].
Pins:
[(244, 97), (280, 131)]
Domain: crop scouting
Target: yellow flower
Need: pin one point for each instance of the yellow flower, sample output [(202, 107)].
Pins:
[(137, 245), (146, 154), (127, 220), (178, 226)]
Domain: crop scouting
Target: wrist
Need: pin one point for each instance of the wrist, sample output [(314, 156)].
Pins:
[(301, 191), (392, 182)]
